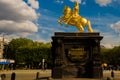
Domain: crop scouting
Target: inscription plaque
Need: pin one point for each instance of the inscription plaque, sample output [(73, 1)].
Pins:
[(76, 54)]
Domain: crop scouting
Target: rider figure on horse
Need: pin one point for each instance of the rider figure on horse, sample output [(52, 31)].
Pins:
[(75, 12), (73, 18)]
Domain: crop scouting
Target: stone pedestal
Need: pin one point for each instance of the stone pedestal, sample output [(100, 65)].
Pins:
[(76, 55)]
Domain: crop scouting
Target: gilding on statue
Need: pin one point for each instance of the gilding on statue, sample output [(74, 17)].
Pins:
[(72, 17)]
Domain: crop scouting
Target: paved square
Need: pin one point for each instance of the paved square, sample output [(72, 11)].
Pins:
[(31, 75)]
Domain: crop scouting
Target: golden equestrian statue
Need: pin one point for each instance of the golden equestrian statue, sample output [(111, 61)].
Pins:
[(73, 18)]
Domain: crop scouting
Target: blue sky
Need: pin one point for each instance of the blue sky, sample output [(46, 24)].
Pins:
[(103, 14), (37, 19)]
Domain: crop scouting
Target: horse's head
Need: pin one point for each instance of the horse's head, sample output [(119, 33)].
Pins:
[(67, 11)]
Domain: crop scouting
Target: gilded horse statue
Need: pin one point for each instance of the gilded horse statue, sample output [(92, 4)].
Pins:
[(73, 18)]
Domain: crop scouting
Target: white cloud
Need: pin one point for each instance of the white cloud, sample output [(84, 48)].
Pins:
[(107, 45), (116, 26), (83, 2), (79, 1), (11, 10), (110, 40), (25, 26), (60, 1), (40, 38), (16, 17), (103, 2), (33, 3)]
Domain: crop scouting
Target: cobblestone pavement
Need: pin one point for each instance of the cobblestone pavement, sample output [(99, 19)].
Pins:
[(32, 74)]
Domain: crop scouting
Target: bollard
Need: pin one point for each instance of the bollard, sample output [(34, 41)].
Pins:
[(37, 75), (13, 75), (3, 76), (112, 74), (108, 78)]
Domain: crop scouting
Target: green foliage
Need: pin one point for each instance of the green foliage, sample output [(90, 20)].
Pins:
[(26, 51), (111, 56), (106, 55), (15, 44)]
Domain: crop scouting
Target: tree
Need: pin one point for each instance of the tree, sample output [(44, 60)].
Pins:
[(15, 44), (31, 53), (111, 56)]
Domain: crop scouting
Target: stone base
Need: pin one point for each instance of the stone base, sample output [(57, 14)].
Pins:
[(76, 79), (57, 73), (76, 55)]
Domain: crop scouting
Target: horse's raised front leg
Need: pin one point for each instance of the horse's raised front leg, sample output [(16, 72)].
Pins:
[(89, 26)]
